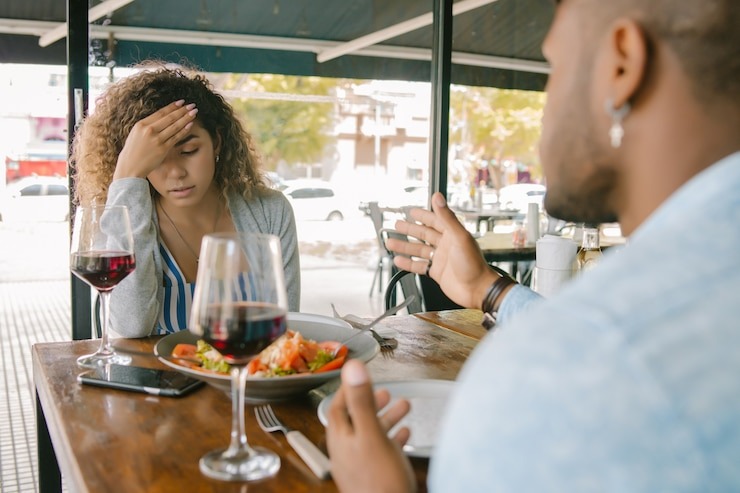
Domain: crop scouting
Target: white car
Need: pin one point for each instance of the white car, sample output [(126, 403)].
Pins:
[(317, 200), (517, 197), (36, 198)]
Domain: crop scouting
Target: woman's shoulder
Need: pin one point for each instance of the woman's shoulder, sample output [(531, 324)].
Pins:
[(266, 199)]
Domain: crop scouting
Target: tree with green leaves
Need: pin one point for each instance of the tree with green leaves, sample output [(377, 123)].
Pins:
[(490, 125), (290, 117)]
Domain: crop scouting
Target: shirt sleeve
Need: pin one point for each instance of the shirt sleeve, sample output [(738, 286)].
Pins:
[(286, 231), (516, 300), (134, 306), (270, 212)]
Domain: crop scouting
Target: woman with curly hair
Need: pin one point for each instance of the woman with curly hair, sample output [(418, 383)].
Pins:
[(163, 143)]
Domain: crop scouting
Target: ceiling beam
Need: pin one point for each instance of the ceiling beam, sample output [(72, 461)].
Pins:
[(154, 35), (95, 13), (394, 31)]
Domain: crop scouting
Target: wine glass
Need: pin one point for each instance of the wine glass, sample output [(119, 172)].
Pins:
[(102, 254), (239, 307)]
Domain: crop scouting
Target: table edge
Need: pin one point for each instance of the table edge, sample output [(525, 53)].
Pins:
[(71, 475)]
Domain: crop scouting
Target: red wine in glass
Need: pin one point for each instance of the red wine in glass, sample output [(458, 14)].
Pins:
[(250, 329), (102, 254), (239, 307), (102, 270)]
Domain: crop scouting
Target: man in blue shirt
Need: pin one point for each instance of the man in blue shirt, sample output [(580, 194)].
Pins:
[(629, 378)]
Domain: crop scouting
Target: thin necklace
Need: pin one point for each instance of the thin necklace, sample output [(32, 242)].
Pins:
[(179, 235)]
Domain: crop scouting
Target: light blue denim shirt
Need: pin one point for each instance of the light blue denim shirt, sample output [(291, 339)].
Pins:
[(627, 380)]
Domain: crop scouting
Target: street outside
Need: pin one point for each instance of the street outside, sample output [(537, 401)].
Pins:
[(338, 259)]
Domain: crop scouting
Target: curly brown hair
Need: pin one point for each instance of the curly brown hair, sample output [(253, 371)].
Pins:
[(100, 138)]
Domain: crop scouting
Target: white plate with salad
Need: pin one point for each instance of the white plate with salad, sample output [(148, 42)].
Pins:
[(279, 385)]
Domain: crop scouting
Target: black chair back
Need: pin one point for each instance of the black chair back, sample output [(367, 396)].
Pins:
[(429, 296)]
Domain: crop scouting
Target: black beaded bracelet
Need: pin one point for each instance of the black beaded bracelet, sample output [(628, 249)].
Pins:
[(489, 301)]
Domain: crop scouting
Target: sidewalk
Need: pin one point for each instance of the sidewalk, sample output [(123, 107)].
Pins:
[(30, 312)]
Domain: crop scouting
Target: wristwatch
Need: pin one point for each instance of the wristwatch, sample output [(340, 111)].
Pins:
[(492, 295)]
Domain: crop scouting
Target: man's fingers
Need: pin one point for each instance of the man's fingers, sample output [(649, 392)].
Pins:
[(382, 398), (405, 247), (445, 218), (394, 414), (358, 392), (337, 415), (427, 233), (415, 266), (401, 436)]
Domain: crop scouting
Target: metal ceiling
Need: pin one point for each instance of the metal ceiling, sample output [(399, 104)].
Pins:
[(496, 43)]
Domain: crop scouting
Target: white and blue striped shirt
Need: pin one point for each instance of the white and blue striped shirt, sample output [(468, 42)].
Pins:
[(178, 296)]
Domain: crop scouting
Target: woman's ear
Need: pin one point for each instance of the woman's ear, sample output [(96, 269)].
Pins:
[(217, 147)]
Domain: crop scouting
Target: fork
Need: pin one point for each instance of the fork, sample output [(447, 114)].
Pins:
[(310, 453), (385, 343)]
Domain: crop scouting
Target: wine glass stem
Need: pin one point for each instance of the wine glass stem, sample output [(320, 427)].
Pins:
[(105, 347), (238, 430)]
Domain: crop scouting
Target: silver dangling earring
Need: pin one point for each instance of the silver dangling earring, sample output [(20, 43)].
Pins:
[(218, 158), (616, 132)]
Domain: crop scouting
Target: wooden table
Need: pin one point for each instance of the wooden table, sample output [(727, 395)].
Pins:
[(499, 247), (488, 217), (110, 440)]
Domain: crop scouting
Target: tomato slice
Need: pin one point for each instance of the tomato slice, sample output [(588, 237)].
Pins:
[(255, 365), (338, 361), (185, 351)]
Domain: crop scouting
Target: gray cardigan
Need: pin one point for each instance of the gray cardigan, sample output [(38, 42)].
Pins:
[(136, 301)]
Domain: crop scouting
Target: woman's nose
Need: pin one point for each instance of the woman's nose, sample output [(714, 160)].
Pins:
[(173, 170)]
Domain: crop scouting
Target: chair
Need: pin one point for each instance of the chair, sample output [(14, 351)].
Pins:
[(429, 296), (384, 256)]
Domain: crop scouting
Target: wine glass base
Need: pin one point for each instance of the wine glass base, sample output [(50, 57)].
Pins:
[(98, 360), (249, 465)]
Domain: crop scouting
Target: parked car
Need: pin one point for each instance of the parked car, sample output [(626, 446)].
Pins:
[(317, 200), (36, 198), (275, 181), (517, 197), (411, 193)]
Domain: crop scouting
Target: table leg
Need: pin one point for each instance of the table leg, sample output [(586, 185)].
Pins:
[(50, 479)]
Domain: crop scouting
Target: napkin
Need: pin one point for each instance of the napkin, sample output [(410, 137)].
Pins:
[(533, 223), (555, 264), (556, 253)]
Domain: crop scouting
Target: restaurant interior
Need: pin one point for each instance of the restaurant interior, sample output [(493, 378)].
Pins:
[(477, 43)]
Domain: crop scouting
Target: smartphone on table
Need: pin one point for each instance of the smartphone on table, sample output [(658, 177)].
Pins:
[(137, 379)]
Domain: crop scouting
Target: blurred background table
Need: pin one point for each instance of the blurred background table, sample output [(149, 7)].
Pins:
[(488, 217)]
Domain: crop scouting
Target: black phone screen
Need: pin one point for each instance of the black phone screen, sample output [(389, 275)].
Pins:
[(138, 379)]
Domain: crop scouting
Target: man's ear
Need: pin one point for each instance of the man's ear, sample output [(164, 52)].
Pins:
[(627, 53)]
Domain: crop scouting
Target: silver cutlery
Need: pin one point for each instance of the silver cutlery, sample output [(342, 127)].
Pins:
[(310, 453), (387, 344), (363, 327)]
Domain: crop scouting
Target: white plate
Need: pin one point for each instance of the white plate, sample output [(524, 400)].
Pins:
[(316, 327), (428, 400)]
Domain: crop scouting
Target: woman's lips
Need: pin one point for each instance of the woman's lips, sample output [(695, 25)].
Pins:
[(181, 192)]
